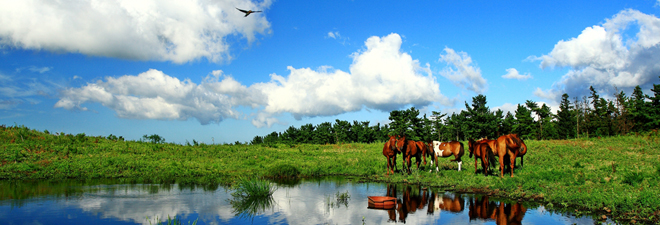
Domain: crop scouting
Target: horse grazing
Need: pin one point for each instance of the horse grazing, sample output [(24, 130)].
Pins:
[(446, 149), (409, 149), (509, 145), (390, 152), (481, 150)]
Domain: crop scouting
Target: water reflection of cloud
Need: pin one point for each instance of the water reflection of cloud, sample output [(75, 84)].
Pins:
[(135, 205), (307, 203)]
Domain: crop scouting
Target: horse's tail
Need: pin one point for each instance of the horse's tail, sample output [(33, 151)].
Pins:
[(490, 156)]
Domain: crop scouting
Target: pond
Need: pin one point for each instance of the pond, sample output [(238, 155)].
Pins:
[(332, 200)]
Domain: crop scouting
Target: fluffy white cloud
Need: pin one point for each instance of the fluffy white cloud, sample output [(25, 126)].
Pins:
[(381, 77), (512, 73), (507, 107), (603, 57), (168, 30), (463, 73), (155, 95)]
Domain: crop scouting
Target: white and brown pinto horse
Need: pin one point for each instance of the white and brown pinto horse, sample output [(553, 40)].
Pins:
[(446, 149)]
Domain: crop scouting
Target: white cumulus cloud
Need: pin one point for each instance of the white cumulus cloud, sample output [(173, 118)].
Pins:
[(512, 73), (462, 72), (605, 58), (381, 77), (155, 95), (163, 30)]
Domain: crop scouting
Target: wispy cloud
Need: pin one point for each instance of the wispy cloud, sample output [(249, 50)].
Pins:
[(169, 30), (602, 57), (461, 71), (381, 77), (512, 73), (36, 69), (334, 35)]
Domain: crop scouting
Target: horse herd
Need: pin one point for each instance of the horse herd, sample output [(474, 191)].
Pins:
[(507, 148)]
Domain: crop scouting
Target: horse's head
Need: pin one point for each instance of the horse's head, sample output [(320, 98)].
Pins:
[(471, 145), (392, 143), (400, 143)]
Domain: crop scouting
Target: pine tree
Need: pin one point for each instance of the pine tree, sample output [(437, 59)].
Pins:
[(654, 110), (507, 124), (480, 121), (534, 107), (566, 118), (524, 122)]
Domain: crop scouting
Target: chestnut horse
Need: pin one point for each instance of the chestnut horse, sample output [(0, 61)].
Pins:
[(390, 152), (426, 151), (409, 149), (509, 145), (446, 149), (481, 150)]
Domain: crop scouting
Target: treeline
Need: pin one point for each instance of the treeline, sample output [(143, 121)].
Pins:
[(591, 116)]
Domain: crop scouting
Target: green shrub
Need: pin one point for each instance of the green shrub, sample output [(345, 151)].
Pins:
[(283, 170)]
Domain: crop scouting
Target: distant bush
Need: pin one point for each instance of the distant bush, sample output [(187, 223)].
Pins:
[(284, 170)]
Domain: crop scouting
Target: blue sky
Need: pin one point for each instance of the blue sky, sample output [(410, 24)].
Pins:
[(201, 70)]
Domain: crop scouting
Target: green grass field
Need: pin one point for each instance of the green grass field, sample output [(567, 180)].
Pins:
[(613, 176)]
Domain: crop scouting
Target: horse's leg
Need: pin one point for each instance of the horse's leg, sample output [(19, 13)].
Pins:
[(501, 160), (512, 157), (475, 164), (424, 154), (390, 168)]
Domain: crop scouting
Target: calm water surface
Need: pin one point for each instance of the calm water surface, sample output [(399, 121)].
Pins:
[(316, 201)]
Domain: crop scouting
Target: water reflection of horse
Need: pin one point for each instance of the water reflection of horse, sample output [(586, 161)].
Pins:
[(502, 213), (452, 203), (414, 198), (446, 149), (510, 146)]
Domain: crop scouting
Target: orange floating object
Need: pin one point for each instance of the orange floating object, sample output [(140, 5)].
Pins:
[(382, 202)]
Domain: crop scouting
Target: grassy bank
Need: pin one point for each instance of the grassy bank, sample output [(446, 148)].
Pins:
[(614, 176)]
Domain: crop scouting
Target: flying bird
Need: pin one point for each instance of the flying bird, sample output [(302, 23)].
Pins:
[(247, 12)]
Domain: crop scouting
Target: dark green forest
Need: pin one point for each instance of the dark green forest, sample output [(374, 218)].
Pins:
[(591, 116)]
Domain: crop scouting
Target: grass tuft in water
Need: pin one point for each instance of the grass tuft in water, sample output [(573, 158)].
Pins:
[(251, 197), (253, 188)]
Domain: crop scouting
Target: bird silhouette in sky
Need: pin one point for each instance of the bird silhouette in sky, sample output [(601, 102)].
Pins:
[(247, 12)]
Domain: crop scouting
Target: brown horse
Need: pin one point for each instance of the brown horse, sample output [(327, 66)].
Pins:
[(481, 150), (510, 146), (426, 151), (446, 149), (390, 151), (409, 149)]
